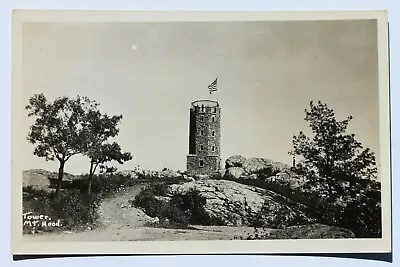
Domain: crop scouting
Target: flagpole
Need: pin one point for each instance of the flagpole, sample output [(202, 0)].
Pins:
[(217, 95)]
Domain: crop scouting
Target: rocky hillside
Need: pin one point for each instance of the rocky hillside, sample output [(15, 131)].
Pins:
[(239, 167), (42, 179), (232, 203)]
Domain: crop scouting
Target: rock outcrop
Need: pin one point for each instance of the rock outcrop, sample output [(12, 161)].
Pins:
[(253, 165), (43, 179), (237, 204), (235, 172), (260, 168), (235, 161)]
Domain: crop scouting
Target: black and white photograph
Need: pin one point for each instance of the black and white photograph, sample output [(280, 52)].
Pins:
[(131, 129)]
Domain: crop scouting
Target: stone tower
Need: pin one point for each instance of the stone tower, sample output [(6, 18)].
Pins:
[(204, 138)]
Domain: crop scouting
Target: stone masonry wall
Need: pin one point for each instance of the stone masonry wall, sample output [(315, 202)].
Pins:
[(211, 165), (204, 139)]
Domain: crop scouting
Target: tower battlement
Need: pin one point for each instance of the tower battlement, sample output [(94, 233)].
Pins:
[(204, 103), (204, 138)]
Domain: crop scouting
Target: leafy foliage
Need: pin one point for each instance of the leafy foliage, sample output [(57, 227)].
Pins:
[(341, 173), (331, 157), (148, 200), (180, 209), (101, 127), (102, 153), (70, 126), (60, 129)]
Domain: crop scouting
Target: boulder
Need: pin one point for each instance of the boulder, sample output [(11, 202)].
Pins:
[(235, 161), (235, 172), (233, 203), (287, 177), (253, 165), (252, 176)]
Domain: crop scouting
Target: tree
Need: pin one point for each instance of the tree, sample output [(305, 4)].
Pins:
[(334, 161), (105, 153), (60, 128), (101, 127)]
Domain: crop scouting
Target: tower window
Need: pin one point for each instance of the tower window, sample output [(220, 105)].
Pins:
[(201, 147), (201, 163), (213, 148), (201, 132), (214, 110), (213, 133), (213, 118), (202, 118)]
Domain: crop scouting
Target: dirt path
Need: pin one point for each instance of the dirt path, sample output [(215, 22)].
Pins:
[(120, 222), (116, 213)]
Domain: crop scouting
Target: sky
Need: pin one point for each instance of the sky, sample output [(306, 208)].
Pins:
[(268, 72)]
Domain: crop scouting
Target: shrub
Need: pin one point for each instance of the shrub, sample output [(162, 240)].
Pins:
[(154, 207), (104, 185), (183, 209), (73, 209), (277, 217), (172, 179), (192, 204)]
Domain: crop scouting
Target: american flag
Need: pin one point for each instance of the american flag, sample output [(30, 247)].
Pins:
[(213, 86)]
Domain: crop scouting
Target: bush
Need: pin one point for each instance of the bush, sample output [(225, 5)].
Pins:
[(73, 209), (154, 207), (104, 185), (183, 209), (192, 204), (164, 179), (363, 217)]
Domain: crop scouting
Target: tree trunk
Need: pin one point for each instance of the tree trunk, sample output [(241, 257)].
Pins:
[(90, 186), (90, 179), (60, 177)]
